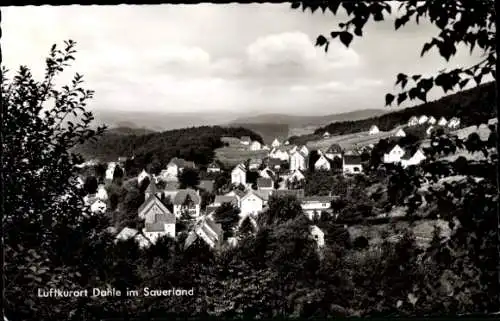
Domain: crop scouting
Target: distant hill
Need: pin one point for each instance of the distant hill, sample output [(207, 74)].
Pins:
[(304, 121), (130, 131), (472, 106), (268, 131), (195, 144)]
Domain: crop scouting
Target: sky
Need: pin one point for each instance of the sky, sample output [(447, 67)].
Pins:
[(234, 58)]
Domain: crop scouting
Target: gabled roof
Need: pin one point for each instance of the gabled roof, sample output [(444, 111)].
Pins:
[(249, 193), (179, 162), (181, 195), (150, 202), (316, 199), (237, 192), (373, 127), (264, 182), (334, 149), (220, 199), (152, 188), (298, 193), (413, 118), (352, 160), (213, 164), (126, 233)]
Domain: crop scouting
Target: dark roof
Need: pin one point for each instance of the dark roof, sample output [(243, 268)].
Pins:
[(219, 199), (299, 193), (182, 194), (207, 185), (274, 162), (264, 182), (352, 159), (152, 188), (316, 198), (334, 148)]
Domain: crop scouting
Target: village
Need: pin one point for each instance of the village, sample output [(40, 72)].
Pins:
[(282, 171)]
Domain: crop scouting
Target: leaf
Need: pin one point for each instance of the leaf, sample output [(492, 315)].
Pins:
[(321, 40), (416, 77), (389, 98), (295, 5), (463, 83), (378, 16), (427, 46), (358, 32), (345, 38), (334, 34)]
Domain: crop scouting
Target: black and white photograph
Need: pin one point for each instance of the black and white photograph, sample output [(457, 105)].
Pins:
[(295, 160)]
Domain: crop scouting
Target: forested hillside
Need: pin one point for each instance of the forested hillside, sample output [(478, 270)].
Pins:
[(195, 144), (472, 106), (268, 131)]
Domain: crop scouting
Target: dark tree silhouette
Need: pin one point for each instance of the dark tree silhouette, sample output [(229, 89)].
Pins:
[(90, 186), (189, 178), (227, 216)]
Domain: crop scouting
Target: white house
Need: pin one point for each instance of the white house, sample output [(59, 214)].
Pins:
[(287, 143), (351, 164), (423, 119), (292, 150), (492, 121), (296, 175), (314, 205), (265, 147), (442, 121), (255, 145), (142, 176), (276, 143), (413, 121), (279, 154), (187, 201), (177, 165), (374, 130), (298, 161), (431, 120), (130, 233), (254, 163), (394, 155), (239, 175), (400, 133), (454, 123), (322, 163), (110, 170), (251, 203), (267, 173), (415, 159), (245, 140), (102, 194), (213, 168), (334, 151), (318, 235), (303, 149), (326, 135), (429, 130)]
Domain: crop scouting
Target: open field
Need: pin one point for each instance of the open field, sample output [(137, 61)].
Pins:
[(350, 140), (235, 153)]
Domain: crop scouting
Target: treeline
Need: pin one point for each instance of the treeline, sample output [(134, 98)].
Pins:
[(194, 144), (473, 106)]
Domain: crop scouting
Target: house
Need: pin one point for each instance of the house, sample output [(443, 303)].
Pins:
[(239, 175), (221, 199), (102, 194), (207, 185), (255, 145), (304, 150), (292, 150), (166, 176), (245, 140), (110, 171), (274, 163), (414, 158), (454, 123), (267, 173), (177, 165), (208, 232), (213, 167), (236, 193), (326, 135), (394, 155), (265, 183), (287, 143), (322, 163), (334, 151), (152, 189), (351, 164), (296, 175), (255, 163), (276, 143), (374, 130), (252, 203), (265, 147), (187, 201), (431, 120), (492, 121), (442, 121), (413, 121), (298, 161), (279, 154), (423, 119), (129, 233), (158, 220), (429, 130), (314, 205), (142, 176), (400, 133), (318, 235)]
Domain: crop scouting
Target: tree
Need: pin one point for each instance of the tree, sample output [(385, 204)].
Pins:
[(246, 228), (459, 23), (228, 216), (118, 174), (189, 178), (280, 210), (46, 228), (90, 186)]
